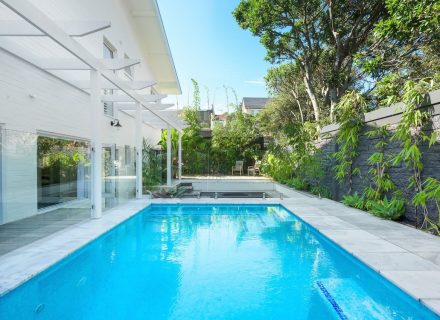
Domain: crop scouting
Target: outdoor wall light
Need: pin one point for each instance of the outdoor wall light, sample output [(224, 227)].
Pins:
[(115, 123)]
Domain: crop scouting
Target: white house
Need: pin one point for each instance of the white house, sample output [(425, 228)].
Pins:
[(252, 105), (80, 87)]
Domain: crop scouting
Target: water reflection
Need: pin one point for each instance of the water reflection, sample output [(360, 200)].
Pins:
[(204, 262)]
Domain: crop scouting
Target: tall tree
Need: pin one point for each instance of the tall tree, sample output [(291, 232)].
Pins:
[(312, 32), (405, 45)]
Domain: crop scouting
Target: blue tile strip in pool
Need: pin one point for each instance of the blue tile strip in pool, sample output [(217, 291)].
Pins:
[(332, 301)]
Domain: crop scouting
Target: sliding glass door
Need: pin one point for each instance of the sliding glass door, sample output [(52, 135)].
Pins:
[(109, 176), (62, 170)]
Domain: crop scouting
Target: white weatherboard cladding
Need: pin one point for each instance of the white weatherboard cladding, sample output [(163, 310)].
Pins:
[(20, 175), (35, 101)]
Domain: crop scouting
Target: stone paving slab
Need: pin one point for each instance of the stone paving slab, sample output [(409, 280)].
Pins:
[(407, 257), (424, 284), (397, 261), (433, 304)]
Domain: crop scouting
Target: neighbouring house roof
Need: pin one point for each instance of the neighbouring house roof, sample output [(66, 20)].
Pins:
[(220, 117), (255, 103)]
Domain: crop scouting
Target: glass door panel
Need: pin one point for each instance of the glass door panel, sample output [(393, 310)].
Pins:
[(108, 177)]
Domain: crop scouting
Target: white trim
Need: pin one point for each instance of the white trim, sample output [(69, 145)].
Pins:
[(126, 98), (107, 43), (20, 28), (62, 205), (75, 64), (96, 108), (50, 134), (133, 85), (154, 106), (129, 75), (2, 170)]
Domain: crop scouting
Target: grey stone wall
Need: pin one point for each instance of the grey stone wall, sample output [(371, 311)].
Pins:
[(399, 174)]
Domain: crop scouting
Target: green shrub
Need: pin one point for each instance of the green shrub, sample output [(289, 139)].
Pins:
[(321, 191), (354, 200), (298, 184), (278, 166), (392, 209)]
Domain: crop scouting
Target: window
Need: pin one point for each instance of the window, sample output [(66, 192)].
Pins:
[(109, 52), (63, 173), (129, 70), (127, 155)]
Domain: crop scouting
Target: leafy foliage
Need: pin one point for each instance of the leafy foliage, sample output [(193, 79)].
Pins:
[(354, 200), (317, 36), (404, 45), (392, 209), (350, 118), (238, 139), (379, 162), (298, 183), (151, 166), (337, 60), (66, 153), (410, 133)]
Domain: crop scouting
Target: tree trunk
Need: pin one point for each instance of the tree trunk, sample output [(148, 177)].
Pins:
[(312, 96), (295, 95), (333, 102)]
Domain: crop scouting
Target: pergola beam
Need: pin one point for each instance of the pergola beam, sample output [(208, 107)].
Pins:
[(146, 98), (40, 21), (133, 85), (153, 106), (21, 28), (75, 64)]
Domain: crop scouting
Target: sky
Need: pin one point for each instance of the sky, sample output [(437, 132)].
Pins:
[(208, 45)]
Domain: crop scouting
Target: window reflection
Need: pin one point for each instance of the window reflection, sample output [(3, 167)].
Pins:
[(63, 170)]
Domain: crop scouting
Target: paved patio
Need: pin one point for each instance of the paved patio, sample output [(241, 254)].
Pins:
[(19, 233), (407, 257)]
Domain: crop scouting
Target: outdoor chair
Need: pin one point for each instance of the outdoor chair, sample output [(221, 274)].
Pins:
[(255, 169), (238, 167)]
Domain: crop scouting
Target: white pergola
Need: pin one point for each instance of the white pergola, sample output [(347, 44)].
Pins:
[(145, 108)]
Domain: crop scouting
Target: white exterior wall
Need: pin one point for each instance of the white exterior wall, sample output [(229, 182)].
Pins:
[(33, 100)]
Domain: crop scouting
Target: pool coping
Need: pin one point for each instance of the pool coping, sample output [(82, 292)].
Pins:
[(406, 257)]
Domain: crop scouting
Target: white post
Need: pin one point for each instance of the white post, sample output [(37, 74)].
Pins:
[(169, 155), (96, 118), (180, 156), (138, 144)]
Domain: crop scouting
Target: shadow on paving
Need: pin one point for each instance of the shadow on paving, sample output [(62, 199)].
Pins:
[(20, 233)]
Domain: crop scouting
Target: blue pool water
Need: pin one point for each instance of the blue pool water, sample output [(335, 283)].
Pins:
[(210, 262)]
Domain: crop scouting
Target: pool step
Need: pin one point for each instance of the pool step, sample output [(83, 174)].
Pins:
[(349, 301)]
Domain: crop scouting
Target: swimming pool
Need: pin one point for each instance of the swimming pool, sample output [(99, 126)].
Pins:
[(210, 262)]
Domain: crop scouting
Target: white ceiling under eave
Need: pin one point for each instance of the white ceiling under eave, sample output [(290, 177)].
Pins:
[(152, 39)]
